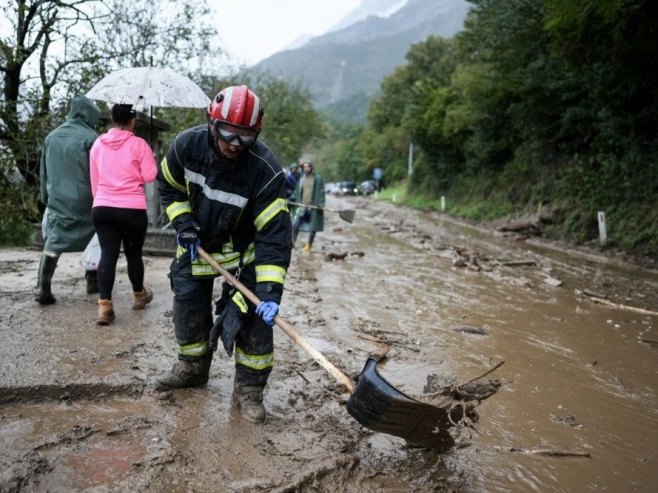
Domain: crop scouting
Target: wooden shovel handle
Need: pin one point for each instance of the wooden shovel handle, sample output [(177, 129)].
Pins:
[(282, 324), (309, 206)]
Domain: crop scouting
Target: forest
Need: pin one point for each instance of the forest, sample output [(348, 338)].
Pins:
[(536, 107), (547, 105)]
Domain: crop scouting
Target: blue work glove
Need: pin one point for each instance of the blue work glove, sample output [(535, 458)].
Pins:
[(267, 311), (189, 239)]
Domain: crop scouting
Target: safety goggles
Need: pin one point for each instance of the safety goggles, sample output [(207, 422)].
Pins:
[(241, 137)]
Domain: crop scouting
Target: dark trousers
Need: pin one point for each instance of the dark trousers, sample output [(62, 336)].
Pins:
[(297, 223), (114, 226), (193, 320)]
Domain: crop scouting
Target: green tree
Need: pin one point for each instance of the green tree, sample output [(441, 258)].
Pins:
[(51, 49)]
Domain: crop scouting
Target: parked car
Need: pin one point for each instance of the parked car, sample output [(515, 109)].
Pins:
[(347, 188), (331, 187), (367, 187)]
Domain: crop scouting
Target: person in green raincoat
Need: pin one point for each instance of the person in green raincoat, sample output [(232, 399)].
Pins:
[(309, 191), (66, 192)]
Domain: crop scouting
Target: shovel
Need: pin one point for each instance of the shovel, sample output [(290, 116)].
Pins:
[(345, 214), (373, 402)]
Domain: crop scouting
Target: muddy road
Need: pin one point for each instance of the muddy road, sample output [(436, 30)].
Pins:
[(573, 338)]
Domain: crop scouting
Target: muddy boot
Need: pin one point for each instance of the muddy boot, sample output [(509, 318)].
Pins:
[(186, 374), (105, 312), (249, 399), (142, 298), (46, 270), (92, 281)]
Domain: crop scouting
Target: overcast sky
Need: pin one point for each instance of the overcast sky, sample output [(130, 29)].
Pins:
[(251, 31)]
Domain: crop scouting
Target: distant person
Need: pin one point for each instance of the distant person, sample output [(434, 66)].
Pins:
[(224, 190), (121, 163), (66, 193), (292, 177), (310, 191)]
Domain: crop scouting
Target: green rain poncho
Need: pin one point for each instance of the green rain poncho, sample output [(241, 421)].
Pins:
[(65, 185)]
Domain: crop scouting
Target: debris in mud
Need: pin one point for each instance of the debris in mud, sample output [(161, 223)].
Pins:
[(75, 434), (546, 451), (569, 420), (469, 260), (524, 227), (468, 329), (552, 281), (517, 263), (18, 474), (335, 256), (130, 423), (459, 400), (383, 337), (601, 299), (593, 294)]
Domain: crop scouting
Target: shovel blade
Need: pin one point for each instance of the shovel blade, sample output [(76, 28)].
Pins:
[(380, 407), (347, 215)]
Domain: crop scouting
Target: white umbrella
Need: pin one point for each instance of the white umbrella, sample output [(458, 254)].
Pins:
[(149, 86)]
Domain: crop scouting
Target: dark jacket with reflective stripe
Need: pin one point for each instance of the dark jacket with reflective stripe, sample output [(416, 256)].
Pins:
[(240, 205)]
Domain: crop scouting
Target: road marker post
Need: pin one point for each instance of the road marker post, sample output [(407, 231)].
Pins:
[(603, 234)]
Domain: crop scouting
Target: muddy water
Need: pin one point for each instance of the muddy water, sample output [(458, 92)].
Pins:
[(77, 412), (576, 376)]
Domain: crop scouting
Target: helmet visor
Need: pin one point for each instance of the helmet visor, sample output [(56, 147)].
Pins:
[(234, 135)]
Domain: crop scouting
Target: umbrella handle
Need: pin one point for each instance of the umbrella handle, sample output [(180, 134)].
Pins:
[(282, 324)]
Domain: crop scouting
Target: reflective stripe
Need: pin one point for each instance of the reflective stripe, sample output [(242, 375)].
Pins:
[(230, 261), (166, 172), (238, 299), (175, 209), (218, 195), (255, 362), (270, 273), (270, 211), (194, 349)]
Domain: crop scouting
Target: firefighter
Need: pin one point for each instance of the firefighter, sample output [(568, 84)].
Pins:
[(224, 190)]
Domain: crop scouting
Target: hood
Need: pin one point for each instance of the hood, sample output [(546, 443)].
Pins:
[(84, 109), (115, 137)]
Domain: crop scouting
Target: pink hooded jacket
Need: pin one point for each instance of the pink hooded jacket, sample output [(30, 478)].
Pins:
[(120, 164)]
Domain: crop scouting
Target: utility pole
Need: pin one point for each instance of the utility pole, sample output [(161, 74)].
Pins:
[(411, 158)]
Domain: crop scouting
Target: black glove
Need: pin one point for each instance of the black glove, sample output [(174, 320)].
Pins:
[(229, 320)]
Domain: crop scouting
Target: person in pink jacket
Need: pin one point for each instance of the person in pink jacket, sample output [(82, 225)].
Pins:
[(120, 164)]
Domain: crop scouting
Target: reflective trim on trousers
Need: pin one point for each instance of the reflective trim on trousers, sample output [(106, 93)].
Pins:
[(196, 349), (255, 362)]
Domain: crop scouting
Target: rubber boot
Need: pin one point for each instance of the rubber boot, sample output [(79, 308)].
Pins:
[(92, 281), (105, 312), (307, 247), (46, 270), (142, 298), (186, 374), (249, 399)]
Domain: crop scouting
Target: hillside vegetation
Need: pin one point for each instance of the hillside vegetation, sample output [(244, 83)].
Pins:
[(549, 104)]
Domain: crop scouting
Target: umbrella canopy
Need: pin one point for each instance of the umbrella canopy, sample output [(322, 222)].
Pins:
[(149, 86)]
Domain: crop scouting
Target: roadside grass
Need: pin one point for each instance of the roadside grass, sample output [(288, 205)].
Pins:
[(631, 229)]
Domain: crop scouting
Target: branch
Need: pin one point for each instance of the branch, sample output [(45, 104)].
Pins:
[(485, 373), (545, 451)]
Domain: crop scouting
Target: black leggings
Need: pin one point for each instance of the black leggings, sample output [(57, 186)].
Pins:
[(114, 225)]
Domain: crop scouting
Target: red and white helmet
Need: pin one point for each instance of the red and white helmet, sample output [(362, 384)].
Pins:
[(237, 106)]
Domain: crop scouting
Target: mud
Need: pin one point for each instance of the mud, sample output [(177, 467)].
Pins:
[(440, 302)]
